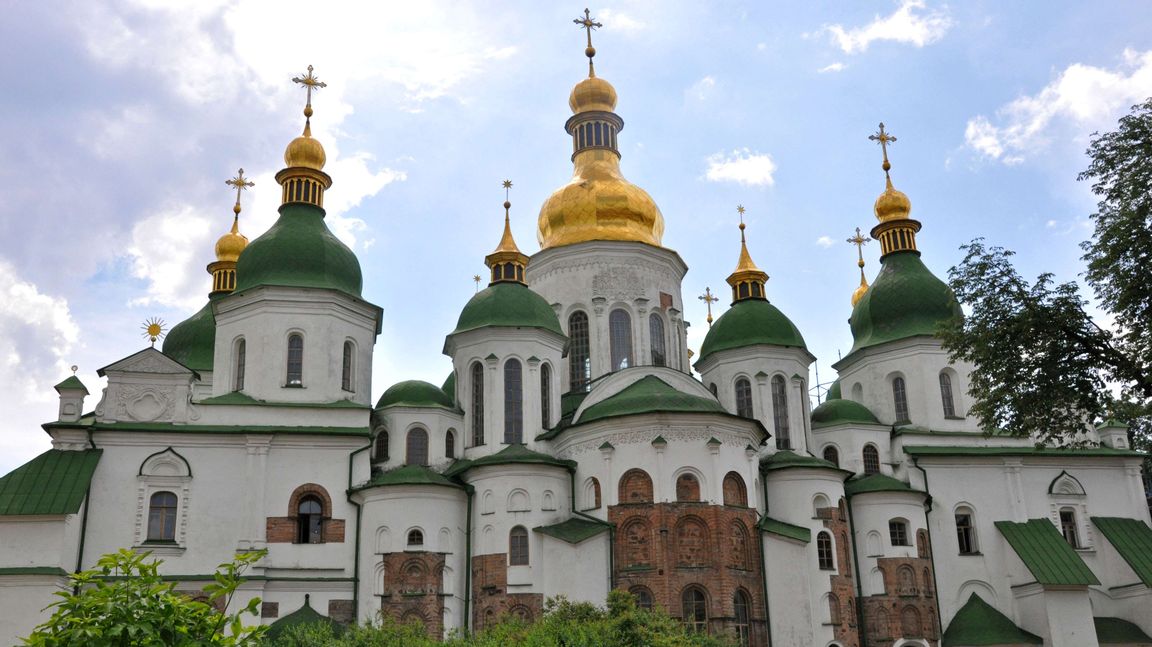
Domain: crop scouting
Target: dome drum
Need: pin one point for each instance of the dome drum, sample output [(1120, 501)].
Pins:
[(303, 184), (594, 130), (896, 235)]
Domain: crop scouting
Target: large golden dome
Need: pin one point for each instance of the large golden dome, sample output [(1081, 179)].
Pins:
[(305, 152), (592, 93), (892, 205)]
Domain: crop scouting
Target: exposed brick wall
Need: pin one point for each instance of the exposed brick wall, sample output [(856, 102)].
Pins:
[(907, 608), (342, 611), (491, 599), (668, 547), (635, 487), (413, 587), (269, 609), (843, 588), (282, 530)]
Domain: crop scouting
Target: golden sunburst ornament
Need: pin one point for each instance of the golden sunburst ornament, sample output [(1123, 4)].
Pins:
[(154, 329)]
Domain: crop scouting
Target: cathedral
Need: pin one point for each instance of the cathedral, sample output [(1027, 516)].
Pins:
[(578, 446)]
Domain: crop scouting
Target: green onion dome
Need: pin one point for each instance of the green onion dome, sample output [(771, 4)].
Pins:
[(837, 411), (299, 251), (192, 342), (905, 300), (449, 385), (507, 305), (751, 322), (415, 393)]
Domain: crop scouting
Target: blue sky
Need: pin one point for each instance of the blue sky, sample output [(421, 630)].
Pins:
[(124, 119)]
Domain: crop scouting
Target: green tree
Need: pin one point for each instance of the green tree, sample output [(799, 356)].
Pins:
[(1044, 365), (124, 602)]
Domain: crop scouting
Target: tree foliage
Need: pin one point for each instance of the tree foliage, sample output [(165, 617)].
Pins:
[(124, 602)]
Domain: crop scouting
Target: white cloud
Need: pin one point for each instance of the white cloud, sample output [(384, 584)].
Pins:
[(741, 166), (825, 241), (1082, 96), (834, 67), (619, 21), (702, 89), (908, 24), (168, 251)]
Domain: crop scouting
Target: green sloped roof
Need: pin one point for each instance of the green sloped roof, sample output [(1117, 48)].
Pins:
[(170, 428), (905, 300), (751, 322), (1113, 631), (512, 454), (784, 459), (574, 530), (1045, 553), (1131, 538), (410, 475), (73, 383), (54, 482), (861, 484), (979, 623), (299, 251), (507, 305), (415, 393), (33, 570), (834, 412), (647, 395), (192, 342), (941, 450), (304, 615), (241, 398), (784, 529)]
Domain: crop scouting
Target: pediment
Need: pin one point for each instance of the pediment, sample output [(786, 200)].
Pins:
[(149, 361)]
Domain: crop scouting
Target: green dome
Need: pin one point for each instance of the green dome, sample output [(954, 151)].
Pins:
[(835, 411), (449, 386), (905, 300), (749, 323), (192, 342), (299, 251), (834, 391), (508, 305), (415, 393)]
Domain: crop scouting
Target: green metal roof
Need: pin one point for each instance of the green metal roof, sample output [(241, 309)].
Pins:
[(409, 475), (304, 615), (33, 570), (512, 454), (241, 398), (1046, 554), (167, 427), (979, 623), (416, 393), (751, 322), (192, 342), (73, 383), (834, 412), (449, 386), (931, 450), (861, 484), (784, 459), (783, 529), (1132, 538), (833, 391), (299, 251), (574, 530), (1117, 631), (507, 305), (647, 395), (54, 482)]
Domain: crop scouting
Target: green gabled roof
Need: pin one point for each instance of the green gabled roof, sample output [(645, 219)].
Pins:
[(783, 529), (784, 459), (409, 475), (649, 394), (1099, 452), (751, 322), (507, 305), (416, 393), (512, 454), (837, 411), (574, 530), (33, 570), (304, 615), (861, 484), (979, 623), (1113, 631), (73, 383), (1131, 538), (1045, 553), (192, 342), (241, 398), (54, 482)]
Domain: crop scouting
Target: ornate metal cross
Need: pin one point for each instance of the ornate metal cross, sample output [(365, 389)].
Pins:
[(883, 139), (240, 183), (310, 82), (588, 24), (709, 299), (859, 240)]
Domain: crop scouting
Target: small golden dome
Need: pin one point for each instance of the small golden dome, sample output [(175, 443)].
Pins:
[(304, 151), (859, 292), (892, 205), (593, 93), (230, 245)]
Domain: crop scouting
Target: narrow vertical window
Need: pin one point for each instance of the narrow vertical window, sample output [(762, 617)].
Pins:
[(295, 375), (780, 413), (871, 460), (743, 398), (309, 521), (162, 517), (695, 606), (380, 451), (898, 532), (620, 337), (741, 606), (1068, 527), (824, 555), (579, 359), (477, 404), (545, 396), (946, 396), (965, 532), (241, 352), (513, 402), (832, 455), (900, 399), (643, 597), (346, 370), (417, 450), (656, 332), (518, 547), (450, 444)]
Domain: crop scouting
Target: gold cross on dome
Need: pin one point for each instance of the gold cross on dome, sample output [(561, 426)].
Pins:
[(310, 82), (883, 139), (588, 24), (709, 299), (240, 183), (859, 240)]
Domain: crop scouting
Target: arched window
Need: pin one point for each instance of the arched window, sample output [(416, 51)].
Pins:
[(780, 413), (637, 536), (513, 402), (346, 369), (687, 488), (905, 581), (295, 374), (162, 517), (946, 395), (1068, 527), (833, 609), (518, 546), (832, 455), (579, 359), (380, 449), (656, 332), (742, 606), (824, 553), (309, 521), (693, 543), (620, 339), (417, 450), (871, 460), (635, 487), (966, 531), (695, 609), (643, 597), (592, 494), (450, 444), (743, 398), (545, 396), (739, 549), (734, 491), (898, 532), (415, 538), (477, 404), (900, 400), (910, 622), (238, 371)]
